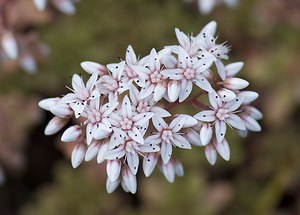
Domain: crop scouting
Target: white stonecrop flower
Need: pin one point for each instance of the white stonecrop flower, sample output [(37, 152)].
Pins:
[(113, 110)]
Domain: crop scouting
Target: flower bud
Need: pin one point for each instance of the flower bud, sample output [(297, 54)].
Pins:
[(71, 134), (92, 151), (233, 68), (173, 90), (223, 149), (92, 67), (168, 170), (206, 132), (113, 169), (226, 95), (129, 180), (149, 163), (78, 155), (235, 83), (61, 110), (210, 154), (46, 104), (54, 125)]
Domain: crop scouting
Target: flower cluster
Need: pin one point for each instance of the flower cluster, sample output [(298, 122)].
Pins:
[(206, 6), (122, 112)]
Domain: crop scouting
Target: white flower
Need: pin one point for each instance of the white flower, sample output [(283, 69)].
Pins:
[(81, 93), (221, 114), (206, 6), (168, 136)]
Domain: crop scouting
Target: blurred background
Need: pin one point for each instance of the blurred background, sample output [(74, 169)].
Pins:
[(263, 175)]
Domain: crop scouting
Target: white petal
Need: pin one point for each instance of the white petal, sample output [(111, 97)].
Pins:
[(40, 4), (223, 149), (65, 6), (133, 162), (181, 142), (221, 69), (210, 28), (177, 123), (169, 61), (166, 152), (129, 180), (235, 83), (193, 137), (158, 123), (141, 119), (9, 45), (78, 107), (189, 121), (47, 103), (115, 153), (206, 116), (236, 122), (172, 74), (135, 134), (185, 90), (250, 123), (92, 151), (220, 130), (203, 83), (113, 169), (126, 107), (90, 131), (169, 171), (54, 125), (101, 152), (160, 112), (77, 83), (214, 99), (248, 96), (183, 39), (206, 132), (253, 112), (61, 110), (154, 61), (173, 90), (78, 154), (111, 186), (226, 95), (71, 134), (134, 95), (149, 163), (101, 132), (130, 55), (179, 171), (233, 68), (234, 105), (146, 91), (159, 91), (210, 154)]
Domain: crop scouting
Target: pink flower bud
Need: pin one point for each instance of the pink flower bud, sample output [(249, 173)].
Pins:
[(78, 155), (210, 154), (92, 67), (168, 170), (92, 151), (206, 132), (46, 104), (71, 134), (226, 95), (113, 169), (111, 186), (173, 90), (223, 149), (233, 68), (61, 110), (235, 83), (149, 163), (54, 125), (129, 180)]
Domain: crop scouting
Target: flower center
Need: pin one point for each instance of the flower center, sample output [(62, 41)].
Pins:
[(126, 124), (155, 77), (94, 116), (189, 74), (143, 107), (222, 114), (166, 135)]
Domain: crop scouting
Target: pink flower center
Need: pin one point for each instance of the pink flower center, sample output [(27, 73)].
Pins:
[(155, 77), (94, 116), (143, 107), (222, 114), (166, 135), (126, 124), (189, 74)]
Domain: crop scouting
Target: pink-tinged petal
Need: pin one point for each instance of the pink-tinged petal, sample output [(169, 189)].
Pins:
[(164, 52), (61, 110), (143, 128), (117, 138), (250, 123), (77, 83), (154, 61), (169, 61), (233, 68), (101, 133), (149, 163), (248, 96), (206, 116), (65, 6), (90, 131), (226, 95), (208, 30), (71, 134), (177, 123), (134, 95), (69, 98), (235, 83), (93, 67), (193, 137), (78, 154), (90, 84), (185, 90), (115, 154), (54, 125), (159, 91), (158, 123), (203, 83), (116, 69), (172, 74), (189, 121), (111, 186), (168, 170), (206, 132), (236, 122), (153, 139), (130, 55), (221, 69), (220, 130), (46, 104), (160, 112), (142, 71), (78, 107), (124, 186), (183, 39), (92, 151), (113, 169), (40, 4), (214, 99), (210, 154), (223, 149), (108, 108), (253, 112), (234, 105), (181, 142), (126, 107), (183, 57), (166, 152), (102, 151), (179, 171), (146, 91), (129, 180), (142, 118), (150, 147), (136, 135), (133, 162), (9, 45), (173, 90)]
